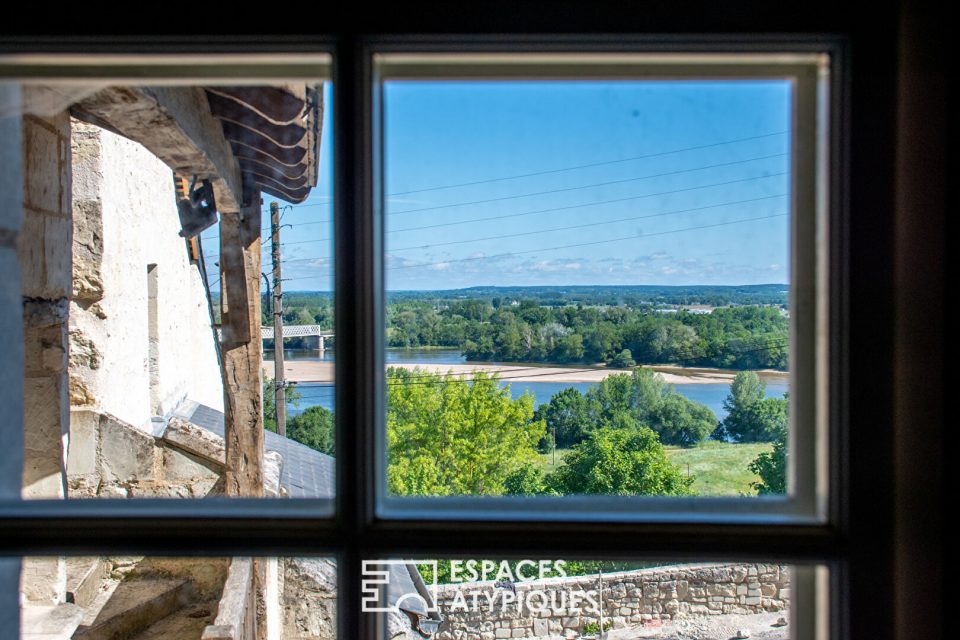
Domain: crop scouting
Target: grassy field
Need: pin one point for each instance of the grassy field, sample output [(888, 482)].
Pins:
[(720, 467)]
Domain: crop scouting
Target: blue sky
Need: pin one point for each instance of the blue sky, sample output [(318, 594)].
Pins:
[(689, 185)]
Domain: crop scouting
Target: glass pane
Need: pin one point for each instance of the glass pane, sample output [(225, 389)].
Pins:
[(588, 284), (589, 599), (161, 598), (168, 229)]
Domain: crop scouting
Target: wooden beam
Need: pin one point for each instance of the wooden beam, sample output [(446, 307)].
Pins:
[(236, 267), (176, 125), (242, 350)]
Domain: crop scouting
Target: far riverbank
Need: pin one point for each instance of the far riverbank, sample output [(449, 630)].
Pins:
[(322, 371)]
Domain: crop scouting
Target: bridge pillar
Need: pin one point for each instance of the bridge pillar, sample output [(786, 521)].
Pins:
[(321, 342)]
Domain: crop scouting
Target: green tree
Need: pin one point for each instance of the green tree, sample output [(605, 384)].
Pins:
[(742, 404), (772, 468), (623, 360), (529, 481), (449, 436), (568, 415), (620, 461), (681, 421), (314, 428), (270, 403)]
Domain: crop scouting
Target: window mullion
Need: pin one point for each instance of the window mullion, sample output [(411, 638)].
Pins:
[(358, 278)]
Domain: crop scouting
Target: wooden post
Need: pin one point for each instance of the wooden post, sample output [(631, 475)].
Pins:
[(279, 385), (242, 350)]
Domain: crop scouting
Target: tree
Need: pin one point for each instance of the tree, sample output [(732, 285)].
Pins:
[(681, 421), (620, 461), (314, 428), (647, 400), (568, 415), (744, 418), (270, 402), (623, 360), (528, 481), (449, 436), (772, 468)]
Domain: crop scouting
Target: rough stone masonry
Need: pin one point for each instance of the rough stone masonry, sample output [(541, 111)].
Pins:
[(630, 598)]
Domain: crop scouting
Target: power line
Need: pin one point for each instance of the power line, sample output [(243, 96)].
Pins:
[(576, 206), (586, 166), (587, 186), (567, 228), (590, 224), (567, 246), (564, 208), (265, 207), (586, 244)]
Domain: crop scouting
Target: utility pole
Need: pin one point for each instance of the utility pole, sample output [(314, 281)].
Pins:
[(280, 394), (266, 281), (554, 445)]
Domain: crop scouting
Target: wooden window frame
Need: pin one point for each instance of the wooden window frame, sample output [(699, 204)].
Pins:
[(857, 539)]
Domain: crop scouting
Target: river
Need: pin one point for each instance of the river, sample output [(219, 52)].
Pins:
[(711, 395)]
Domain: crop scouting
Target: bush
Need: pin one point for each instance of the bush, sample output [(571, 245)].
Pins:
[(623, 360), (623, 460), (314, 428), (752, 417), (772, 468)]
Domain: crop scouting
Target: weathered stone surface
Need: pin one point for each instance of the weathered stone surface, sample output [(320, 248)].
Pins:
[(126, 453), (80, 394), (82, 449), (180, 465), (272, 467), (309, 598), (46, 415), (124, 219), (195, 440), (46, 174), (83, 351), (44, 580), (670, 593)]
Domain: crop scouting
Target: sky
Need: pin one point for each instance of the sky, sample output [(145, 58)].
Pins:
[(558, 183)]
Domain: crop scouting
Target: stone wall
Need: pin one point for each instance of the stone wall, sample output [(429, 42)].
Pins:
[(44, 267), (112, 459), (46, 283), (308, 601), (161, 346), (630, 598)]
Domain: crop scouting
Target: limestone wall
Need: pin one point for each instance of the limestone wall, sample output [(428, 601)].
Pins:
[(112, 459), (630, 598), (308, 602), (45, 276), (126, 358)]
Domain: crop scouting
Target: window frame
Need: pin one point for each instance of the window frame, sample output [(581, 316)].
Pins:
[(809, 70), (354, 534)]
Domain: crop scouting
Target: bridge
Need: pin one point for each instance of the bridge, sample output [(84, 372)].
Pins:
[(295, 331)]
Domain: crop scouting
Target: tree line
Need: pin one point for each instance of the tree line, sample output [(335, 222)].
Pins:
[(745, 337), (500, 328), (447, 435)]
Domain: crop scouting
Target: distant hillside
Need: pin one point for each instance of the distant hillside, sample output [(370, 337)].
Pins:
[(713, 295)]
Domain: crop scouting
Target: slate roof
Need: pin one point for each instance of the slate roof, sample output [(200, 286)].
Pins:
[(305, 473)]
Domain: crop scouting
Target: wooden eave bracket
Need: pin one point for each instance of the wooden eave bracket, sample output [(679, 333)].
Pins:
[(175, 124)]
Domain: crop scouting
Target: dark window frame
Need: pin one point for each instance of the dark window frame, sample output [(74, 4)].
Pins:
[(857, 545)]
